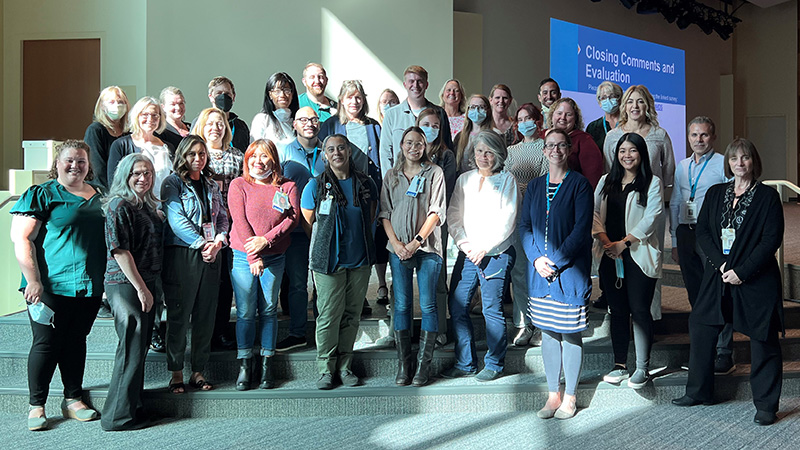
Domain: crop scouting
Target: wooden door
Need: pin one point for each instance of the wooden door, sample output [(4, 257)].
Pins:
[(60, 84)]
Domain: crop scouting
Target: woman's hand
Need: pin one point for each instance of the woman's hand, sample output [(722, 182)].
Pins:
[(614, 249), (730, 277), (210, 251), (722, 268), (255, 244), (476, 256), (145, 298), (544, 266), (257, 268), (401, 250), (413, 246), (33, 292)]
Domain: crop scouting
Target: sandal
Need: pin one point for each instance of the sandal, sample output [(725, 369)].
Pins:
[(383, 295), (177, 388), (201, 384)]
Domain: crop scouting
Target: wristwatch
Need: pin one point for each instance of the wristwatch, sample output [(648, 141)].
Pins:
[(419, 239), (627, 243)]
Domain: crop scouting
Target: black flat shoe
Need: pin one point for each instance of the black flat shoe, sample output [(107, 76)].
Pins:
[(764, 418), (688, 401), (157, 344)]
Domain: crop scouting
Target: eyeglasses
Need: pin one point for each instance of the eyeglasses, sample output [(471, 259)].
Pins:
[(560, 145), (416, 145), (149, 116), (473, 107), (305, 120), (285, 91)]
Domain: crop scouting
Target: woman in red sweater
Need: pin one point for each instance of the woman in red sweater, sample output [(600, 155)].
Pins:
[(264, 207)]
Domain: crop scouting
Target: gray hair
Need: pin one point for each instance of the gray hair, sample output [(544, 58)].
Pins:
[(615, 89), (170, 90), (495, 143), (699, 120), (120, 187)]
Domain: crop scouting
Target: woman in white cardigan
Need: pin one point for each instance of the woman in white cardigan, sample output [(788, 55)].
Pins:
[(627, 214)]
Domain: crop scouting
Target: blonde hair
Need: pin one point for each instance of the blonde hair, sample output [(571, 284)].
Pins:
[(651, 116), (100, 112), (575, 109), (133, 117), (227, 136)]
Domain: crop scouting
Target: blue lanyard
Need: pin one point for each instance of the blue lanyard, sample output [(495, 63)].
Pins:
[(314, 162), (605, 124), (549, 199), (233, 133), (697, 180)]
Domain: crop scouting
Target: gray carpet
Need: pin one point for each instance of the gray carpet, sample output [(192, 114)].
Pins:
[(726, 426)]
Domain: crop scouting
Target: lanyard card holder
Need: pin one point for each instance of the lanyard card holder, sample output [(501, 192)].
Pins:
[(280, 202), (689, 211), (208, 231), (728, 237), (416, 186)]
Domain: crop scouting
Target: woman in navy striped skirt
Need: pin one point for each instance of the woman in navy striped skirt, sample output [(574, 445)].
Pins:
[(555, 227)]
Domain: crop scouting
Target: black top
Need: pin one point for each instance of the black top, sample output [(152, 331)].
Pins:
[(171, 135), (240, 130), (99, 140), (597, 129), (199, 187), (140, 232), (615, 214)]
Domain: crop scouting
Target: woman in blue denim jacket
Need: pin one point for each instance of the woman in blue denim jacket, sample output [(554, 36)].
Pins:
[(198, 229)]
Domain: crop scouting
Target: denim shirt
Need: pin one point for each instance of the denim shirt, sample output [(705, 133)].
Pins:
[(185, 215)]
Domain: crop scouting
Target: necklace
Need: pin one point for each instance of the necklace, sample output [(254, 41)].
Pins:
[(550, 192)]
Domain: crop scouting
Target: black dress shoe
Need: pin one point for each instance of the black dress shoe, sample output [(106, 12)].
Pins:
[(157, 344), (765, 418), (688, 401)]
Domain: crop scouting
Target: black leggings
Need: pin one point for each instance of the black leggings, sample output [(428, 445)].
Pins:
[(63, 345)]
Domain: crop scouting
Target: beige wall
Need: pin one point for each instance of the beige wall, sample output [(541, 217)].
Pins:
[(120, 25), (516, 45), (765, 76)]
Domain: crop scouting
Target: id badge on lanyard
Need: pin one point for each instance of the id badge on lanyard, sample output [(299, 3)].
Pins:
[(728, 237), (416, 186), (208, 231), (280, 202), (689, 211)]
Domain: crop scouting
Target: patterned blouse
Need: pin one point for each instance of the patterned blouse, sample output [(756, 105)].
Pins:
[(226, 165), (526, 161)]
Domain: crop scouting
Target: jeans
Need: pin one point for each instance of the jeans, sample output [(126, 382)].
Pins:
[(493, 276), (428, 267), (249, 300), (297, 272)]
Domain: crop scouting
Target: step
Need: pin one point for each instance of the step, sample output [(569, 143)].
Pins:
[(379, 395)]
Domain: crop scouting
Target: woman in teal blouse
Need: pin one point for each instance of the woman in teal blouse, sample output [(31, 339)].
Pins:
[(55, 232)]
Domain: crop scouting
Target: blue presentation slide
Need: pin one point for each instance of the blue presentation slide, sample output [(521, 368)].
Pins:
[(581, 58)]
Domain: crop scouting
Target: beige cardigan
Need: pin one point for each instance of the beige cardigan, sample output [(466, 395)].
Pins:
[(640, 222)]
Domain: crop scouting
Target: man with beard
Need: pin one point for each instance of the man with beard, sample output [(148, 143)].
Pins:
[(315, 79)]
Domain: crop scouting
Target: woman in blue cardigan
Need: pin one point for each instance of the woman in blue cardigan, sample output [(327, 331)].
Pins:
[(555, 227)]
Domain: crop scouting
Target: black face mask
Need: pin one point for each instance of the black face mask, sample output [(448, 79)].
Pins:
[(224, 102)]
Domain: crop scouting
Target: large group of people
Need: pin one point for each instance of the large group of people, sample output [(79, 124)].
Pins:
[(197, 216)]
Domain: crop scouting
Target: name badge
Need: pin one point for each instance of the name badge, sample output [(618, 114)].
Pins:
[(690, 211), (280, 202), (325, 206), (416, 186), (208, 231), (728, 236)]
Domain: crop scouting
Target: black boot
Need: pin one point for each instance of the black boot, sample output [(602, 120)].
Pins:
[(427, 342), (267, 382), (245, 371), (402, 340)]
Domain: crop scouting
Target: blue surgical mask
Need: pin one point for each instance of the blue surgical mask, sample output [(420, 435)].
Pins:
[(386, 107), (430, 133), (41, 313), (282, 114), (476, 115), (527, 128), (608, 104)]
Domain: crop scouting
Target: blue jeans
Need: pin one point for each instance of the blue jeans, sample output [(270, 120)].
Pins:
[(297, 272), (249, 300), (493, 275), (428, 266)]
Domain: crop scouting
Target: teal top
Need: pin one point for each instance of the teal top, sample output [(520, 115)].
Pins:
[(70, 245)]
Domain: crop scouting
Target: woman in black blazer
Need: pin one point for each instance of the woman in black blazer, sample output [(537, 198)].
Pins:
[(739, 230)]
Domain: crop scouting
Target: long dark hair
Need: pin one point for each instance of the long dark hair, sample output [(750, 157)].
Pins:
[(268, 107), (641, 183), (180, 166)]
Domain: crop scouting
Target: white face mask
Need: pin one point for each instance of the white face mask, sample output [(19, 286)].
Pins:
[(116, 110), (282, 114), (263, 176)]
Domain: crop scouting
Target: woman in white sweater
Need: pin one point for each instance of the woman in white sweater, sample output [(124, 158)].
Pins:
[(275, 121), (627, 214), (481, 217)]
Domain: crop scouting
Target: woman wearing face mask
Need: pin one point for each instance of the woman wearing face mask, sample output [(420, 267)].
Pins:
[(526, 161), (57, 230), (501, 98), (265, 209), (412, 207), (478, 119), (338, 210), (134, 237), (198, 229), (225, 162), (628, 207), (608, 95), (274, 122), (584, 158), (146, 119), (430, 124), (387, 99), (110, 122), (174, 105), (454, 103)]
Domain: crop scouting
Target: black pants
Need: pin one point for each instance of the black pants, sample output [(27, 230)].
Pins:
[(222, 319), (127, 380), (63, 345), (630, 301), (691, 258), (766, 372)]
